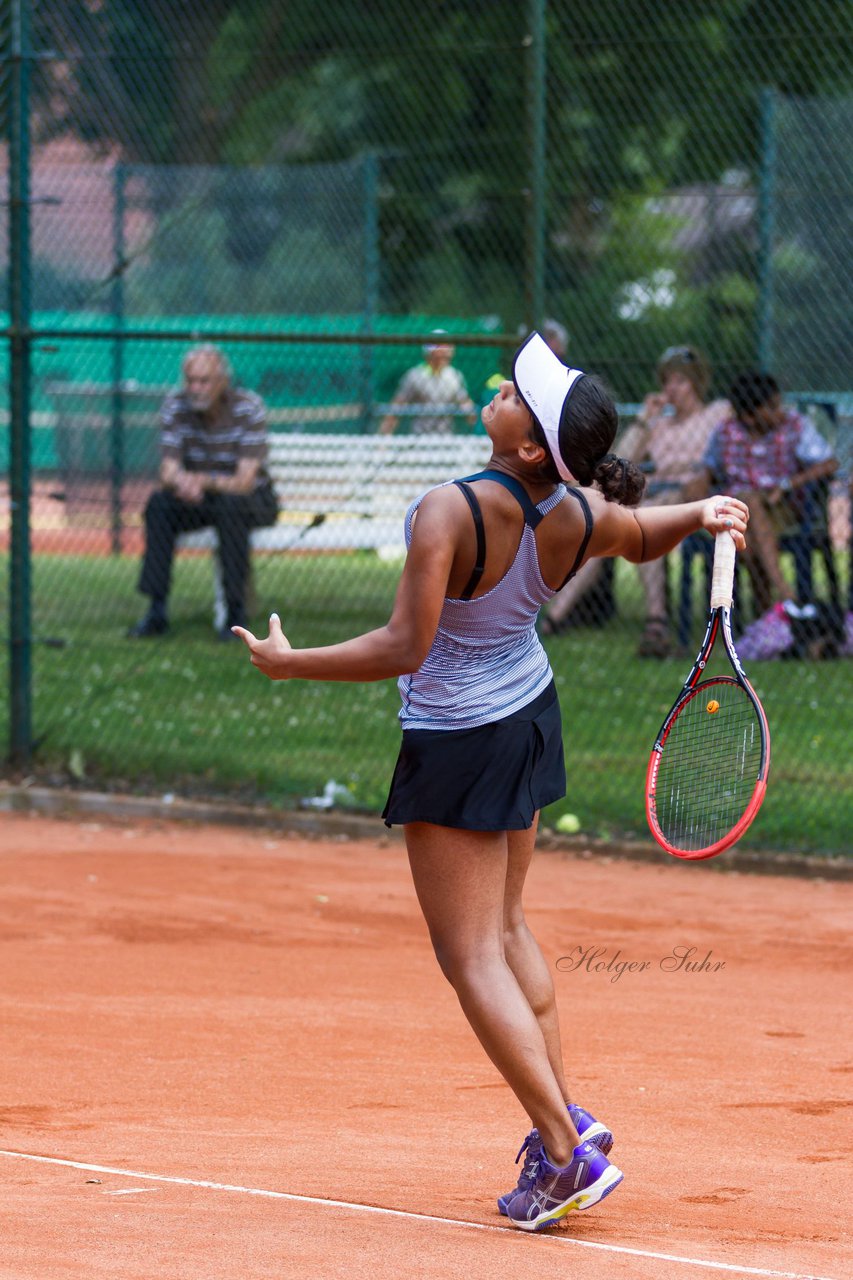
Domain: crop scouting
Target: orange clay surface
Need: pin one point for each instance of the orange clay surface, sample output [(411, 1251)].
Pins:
[(263, 1012)]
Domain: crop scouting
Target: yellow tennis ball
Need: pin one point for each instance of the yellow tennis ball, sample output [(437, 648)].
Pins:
[(713, 706), (569, 823)]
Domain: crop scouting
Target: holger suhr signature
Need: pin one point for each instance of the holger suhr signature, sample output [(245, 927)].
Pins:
[(681, 959)]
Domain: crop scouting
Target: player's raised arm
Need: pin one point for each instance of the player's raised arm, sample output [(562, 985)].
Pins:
[(402, 644), (647, 533)]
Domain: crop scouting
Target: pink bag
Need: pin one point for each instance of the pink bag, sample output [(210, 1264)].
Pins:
[(768, 637)]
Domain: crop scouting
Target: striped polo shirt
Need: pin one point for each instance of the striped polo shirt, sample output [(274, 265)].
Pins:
[(215, 445), (486, 661)]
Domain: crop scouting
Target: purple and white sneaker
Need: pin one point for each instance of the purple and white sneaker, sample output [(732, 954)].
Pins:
[(589, 1130), (532, 1145), (553, 1192)]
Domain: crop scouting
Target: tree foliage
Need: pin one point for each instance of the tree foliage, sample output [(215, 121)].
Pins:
[(641, 99)]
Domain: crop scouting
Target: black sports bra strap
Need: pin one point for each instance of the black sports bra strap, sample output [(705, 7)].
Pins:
[(532, 515), (477, 572), (587, 516)]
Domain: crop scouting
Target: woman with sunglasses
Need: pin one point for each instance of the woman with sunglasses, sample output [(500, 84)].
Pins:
[(669, 438)]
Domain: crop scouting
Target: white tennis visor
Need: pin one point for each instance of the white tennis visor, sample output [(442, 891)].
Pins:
[(545, 384)]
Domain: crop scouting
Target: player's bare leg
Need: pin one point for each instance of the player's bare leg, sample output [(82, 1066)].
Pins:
[(460, 879), (523, 954)]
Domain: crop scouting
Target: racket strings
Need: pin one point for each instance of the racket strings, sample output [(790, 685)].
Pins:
[(709, 767)]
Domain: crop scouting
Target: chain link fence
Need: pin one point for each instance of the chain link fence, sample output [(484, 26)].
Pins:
[(316, 191)]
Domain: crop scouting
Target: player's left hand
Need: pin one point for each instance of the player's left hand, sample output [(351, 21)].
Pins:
[(720, 513), (270, 655)]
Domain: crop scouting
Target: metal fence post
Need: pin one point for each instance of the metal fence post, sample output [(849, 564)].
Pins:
[(766, 229), (370, 276), (20, 604), (117, 372), (535, 92)]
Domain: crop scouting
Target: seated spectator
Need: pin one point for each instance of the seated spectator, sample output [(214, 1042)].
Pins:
[(435, 385), (669, 436), (212, 475), (767, 454)]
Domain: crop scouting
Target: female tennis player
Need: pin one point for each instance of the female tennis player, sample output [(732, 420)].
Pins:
[(482, 747)]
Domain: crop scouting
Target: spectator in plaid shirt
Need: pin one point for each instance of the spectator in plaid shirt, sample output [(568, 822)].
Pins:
[(768, 455)]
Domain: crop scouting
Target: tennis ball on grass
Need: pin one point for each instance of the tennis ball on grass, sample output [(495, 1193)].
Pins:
[(569, 824)]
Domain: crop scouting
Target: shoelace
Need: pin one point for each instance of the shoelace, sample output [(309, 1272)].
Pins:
[(532, 1144)]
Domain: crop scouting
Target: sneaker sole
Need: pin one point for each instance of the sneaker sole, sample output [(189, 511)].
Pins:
[(598, 1134), (608, 1182)]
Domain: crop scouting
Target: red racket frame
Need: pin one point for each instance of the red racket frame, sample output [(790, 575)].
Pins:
[(718, 621)]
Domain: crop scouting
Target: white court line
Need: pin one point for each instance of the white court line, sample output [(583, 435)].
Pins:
[(412, 1217), (133, 1191)]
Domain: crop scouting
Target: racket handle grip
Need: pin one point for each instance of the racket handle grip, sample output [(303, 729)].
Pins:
[(723, 579)]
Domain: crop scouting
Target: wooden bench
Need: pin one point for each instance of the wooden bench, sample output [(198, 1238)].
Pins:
[(348, 492)]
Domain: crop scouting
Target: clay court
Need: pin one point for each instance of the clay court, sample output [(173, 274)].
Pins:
[(230, 1053)]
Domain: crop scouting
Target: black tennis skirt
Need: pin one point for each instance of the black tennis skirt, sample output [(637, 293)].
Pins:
[(493, 778)]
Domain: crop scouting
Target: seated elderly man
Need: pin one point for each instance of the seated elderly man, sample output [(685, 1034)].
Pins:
[(212, 474)]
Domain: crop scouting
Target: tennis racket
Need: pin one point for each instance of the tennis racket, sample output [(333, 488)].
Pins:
[(707, 773)]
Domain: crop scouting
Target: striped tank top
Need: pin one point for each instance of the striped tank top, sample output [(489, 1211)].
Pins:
[(486, 661)]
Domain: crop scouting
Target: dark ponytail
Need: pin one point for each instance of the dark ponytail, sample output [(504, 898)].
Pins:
[(619, 480), (588, 428)]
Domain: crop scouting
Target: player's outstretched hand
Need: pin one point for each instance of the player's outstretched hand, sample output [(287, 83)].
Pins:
[(720, 513), (270, 655)]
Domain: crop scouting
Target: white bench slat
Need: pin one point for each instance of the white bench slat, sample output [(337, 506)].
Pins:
[(346, 475), (361, 485)]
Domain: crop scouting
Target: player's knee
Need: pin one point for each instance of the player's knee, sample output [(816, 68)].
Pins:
[(516, 932), (445, 963), (461, 965), (450, 957)]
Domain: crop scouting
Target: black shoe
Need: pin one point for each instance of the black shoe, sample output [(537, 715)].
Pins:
[(151, 625)]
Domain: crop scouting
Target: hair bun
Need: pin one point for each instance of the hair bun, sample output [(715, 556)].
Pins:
[(619, 480)]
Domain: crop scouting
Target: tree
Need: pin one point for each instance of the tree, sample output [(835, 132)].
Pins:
[(642, 99)]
